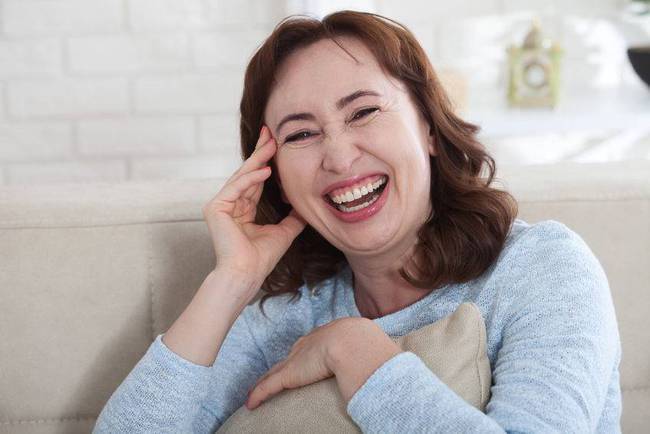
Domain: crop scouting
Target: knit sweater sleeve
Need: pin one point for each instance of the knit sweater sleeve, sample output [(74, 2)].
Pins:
[(165, 393), (559, 350)]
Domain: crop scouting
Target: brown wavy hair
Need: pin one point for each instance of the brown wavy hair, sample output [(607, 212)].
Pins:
[(470, 220)]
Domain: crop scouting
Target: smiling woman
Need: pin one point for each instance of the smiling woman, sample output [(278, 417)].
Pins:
[(436, 219), (363, 194)]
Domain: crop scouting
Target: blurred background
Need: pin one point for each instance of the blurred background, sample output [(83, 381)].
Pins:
[(119, 90)]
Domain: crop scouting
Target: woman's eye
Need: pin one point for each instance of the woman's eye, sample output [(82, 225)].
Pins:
[(364, 113), (296, 136), (305, 134)]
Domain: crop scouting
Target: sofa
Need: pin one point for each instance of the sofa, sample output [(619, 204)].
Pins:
[(91, 273)]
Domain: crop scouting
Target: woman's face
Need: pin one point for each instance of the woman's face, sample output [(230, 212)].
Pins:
[(367, 139)]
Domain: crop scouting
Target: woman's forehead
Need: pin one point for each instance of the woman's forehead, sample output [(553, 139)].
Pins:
[(322, 73)]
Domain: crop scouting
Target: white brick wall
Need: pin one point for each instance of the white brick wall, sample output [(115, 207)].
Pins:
[(215, 50), (219, 133), (195, 93), (136, 136), (129, 53), (124, 89), (191, 167), (34, 58), (35, 141), (2, 102), (67, 97), (166, 15), (29, 18), (436, 11), (100, 90)]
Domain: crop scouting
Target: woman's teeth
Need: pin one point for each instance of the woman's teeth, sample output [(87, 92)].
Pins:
[(358, 207), (358, 192)]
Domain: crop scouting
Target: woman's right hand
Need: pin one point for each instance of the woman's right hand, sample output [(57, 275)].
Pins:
[(241, 246)]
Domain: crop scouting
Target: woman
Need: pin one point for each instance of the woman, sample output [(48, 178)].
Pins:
[(363, 196)]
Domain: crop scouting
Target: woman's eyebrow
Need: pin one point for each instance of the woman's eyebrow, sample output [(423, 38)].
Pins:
[(340, 104)]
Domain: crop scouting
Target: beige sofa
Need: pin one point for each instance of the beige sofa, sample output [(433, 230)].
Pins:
[(90, 274)]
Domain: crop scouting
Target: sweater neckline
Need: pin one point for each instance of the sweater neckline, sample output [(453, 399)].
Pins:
[(393, 323), (390, 323)]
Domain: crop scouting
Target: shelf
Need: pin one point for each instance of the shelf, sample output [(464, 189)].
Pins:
[(613, 109), (609, 125)]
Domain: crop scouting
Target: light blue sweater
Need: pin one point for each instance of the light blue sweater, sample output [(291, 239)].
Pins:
[(553, 346)]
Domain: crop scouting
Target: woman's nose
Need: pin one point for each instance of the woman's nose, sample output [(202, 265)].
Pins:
[(340, 151)]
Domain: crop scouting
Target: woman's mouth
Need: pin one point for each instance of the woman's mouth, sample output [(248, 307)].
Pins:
[(359, 203)]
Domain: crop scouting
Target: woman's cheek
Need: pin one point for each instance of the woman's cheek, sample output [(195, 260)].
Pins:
[(374, 132)]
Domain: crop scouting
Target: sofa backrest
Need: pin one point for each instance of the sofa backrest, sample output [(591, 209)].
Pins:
[(91, 273)]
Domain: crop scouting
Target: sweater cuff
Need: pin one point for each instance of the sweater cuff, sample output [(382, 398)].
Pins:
[(385, 402)]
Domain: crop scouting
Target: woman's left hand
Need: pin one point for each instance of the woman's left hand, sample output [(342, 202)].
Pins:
[(321, 354)]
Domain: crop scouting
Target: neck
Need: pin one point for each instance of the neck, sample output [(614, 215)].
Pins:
[(379, 289)]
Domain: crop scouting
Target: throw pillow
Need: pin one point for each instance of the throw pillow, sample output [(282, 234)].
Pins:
[(453, 348)]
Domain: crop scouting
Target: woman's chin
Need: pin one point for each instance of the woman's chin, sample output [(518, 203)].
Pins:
[(373, 240)]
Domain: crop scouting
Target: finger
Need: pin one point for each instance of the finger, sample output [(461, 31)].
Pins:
[(275, 368), (256, 160), (257, 393), (296, 215), (260, 156), (270, 386), (293, 224), (235, 189), (260, 152), (265, 134), (255, 192)]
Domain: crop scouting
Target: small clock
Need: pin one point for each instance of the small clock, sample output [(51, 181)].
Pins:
[(534, 71), (536, 75)]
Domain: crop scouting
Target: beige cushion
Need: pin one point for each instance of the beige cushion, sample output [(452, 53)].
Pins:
[(453, 348)]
